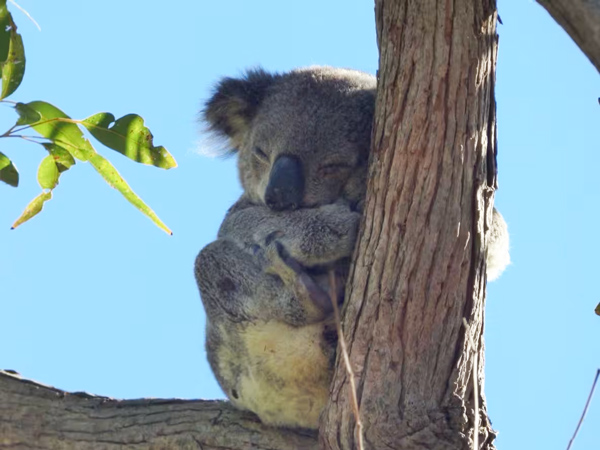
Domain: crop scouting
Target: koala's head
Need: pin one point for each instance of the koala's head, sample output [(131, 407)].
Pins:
[(303, 137)]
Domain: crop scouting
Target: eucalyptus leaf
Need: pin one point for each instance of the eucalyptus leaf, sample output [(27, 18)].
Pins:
[(63, 159), (48, 173), (27, 115), (4, 161), (8, 171), (55, 125), (13, 67), (115, 180), (5, 21), (34, 207), (129, 136)]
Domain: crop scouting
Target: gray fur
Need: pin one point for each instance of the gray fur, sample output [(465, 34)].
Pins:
[(264, 281)]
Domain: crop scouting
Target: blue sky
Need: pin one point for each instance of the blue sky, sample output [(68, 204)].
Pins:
[(96, 298)]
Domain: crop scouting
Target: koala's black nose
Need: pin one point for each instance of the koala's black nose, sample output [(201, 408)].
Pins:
[(286, 184)]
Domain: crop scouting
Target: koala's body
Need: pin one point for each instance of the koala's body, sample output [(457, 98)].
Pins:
[(270, 339), (303, 142)]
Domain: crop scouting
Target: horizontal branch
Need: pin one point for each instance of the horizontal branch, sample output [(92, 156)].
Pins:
[(581, 20), (36, 416)]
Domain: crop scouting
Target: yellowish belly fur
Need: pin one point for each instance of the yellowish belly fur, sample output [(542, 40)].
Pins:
[(287, 383)]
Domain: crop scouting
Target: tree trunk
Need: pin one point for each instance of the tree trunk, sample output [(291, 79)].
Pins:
[(33, 416), (419, 269), (581, 20)]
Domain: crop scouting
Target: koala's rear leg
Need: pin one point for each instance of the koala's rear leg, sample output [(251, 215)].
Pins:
[(241, 282), (235, 284)]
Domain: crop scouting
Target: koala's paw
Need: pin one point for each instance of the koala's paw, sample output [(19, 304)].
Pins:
[(329, 238), (279, 262), (295, 275)]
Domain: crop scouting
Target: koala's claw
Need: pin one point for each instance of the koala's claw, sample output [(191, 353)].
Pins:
[(272, 236), (287, 259), (316, 293)]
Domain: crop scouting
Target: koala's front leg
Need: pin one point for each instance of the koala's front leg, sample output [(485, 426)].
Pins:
[(312, 236), (318, 236)]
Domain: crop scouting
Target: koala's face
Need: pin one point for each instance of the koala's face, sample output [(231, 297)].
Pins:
[(303, 137)]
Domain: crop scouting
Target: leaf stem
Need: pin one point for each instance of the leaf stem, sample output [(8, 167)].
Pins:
[(42, 122), (24, 137)]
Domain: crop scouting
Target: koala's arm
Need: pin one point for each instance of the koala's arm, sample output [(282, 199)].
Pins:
[(498, 257), (312, 236)]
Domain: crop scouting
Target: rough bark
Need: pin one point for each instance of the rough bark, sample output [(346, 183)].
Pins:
[(581, 20), (34, 416), (420, 266)]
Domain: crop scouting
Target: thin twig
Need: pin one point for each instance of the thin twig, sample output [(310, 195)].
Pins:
[(344, 348), (475, 385), (10, 130), (27, 14), (587, 404), (22, 136)]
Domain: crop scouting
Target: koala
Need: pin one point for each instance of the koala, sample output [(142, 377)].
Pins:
[(302, 139)]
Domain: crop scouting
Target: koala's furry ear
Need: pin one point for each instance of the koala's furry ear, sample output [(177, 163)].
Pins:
[(235, 101)]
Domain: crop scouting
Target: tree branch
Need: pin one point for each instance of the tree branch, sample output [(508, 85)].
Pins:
[(581, 20), (36, 416)]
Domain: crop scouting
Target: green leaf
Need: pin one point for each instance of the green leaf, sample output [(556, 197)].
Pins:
[(27, 115), (34, 207), (115, 180), (4, 161), (130, 137), (13, 67), (63, 159), (48, 173), (5, 20), (55, 125), (8, 171)]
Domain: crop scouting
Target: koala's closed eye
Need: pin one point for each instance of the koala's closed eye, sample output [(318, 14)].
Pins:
[(334, 169), (260, 154)]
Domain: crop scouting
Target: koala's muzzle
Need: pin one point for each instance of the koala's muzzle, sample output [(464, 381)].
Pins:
[(286, 184)]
